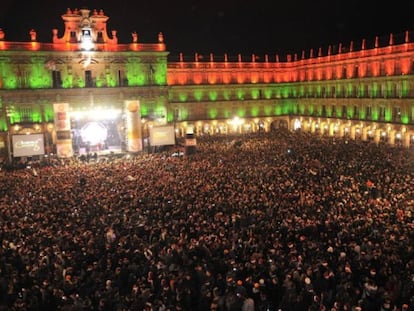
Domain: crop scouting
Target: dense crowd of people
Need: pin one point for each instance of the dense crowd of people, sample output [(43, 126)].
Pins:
[(270, 221)]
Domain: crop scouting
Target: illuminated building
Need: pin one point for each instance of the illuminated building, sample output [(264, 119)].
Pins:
[(362, 91)]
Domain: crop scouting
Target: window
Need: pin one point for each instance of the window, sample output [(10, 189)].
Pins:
[(73, 38), (382, 113), (356, 112), (99, 38), (396, 114), (344, 115), (25, 113), (333, 111), (88, 78), (384, 90), (56, 79), (323, 110), (368, 112)]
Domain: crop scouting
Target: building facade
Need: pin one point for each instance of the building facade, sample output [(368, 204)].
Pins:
[(362, 91)]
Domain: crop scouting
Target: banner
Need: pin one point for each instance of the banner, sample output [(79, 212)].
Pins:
[(62, 127), (28, 145), (133, 126)]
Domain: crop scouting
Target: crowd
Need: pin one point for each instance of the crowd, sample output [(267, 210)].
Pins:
[(271, 221)]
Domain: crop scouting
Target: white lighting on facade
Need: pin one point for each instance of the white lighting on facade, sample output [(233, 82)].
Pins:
[(86, 39), (97, 114)]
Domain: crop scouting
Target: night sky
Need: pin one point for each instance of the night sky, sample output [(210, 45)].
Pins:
[(226, 26)]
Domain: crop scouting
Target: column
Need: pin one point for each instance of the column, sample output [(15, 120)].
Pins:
[(133, 124), (62, 128), (352, 132), (407, 139), (312, 127), (331, 127), (341, 130), (377, 136), (391, 138)]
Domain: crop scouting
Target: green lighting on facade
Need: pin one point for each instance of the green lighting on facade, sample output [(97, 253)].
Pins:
[(3, 124), (375, 114), (100, 81), (184, 113), (227, 94), (268, 93), (268, 110), (278, 109), (301, 109), (212, 95), (144, 109), (350, 112), (8, 78), (240, 94), (183, 97), (349, 90), (212, 113), (110, 80), (302, 91), (338, 90), (159, 72), (15, 118), (361, 91), (388, 114), (39, 77), (311, 109), (241, 112), (374, 89), (254, 111), (362, 114), (289, 107), (36, 115), (319, 91), (278, 92), (135, 73), (48, 113), (79, 82), (329, 111), (310, 91), (198, 95), (405, 88), (389, 89), (255, 93), (285, 92), (319, 111), (405, 119), (67, 82)]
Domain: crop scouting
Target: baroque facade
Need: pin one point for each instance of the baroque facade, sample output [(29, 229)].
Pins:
[(361, 91)]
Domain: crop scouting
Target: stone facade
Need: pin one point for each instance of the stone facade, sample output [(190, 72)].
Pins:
[(362, 92)]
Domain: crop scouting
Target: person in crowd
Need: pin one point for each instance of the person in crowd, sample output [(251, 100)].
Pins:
[(279, 221)]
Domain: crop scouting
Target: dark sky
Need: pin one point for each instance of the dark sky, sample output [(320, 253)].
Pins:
[(226, 26)]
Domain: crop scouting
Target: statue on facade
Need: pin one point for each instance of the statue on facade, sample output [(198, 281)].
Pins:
[(32, 34), (160, 38), (134, 37)]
